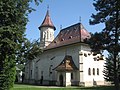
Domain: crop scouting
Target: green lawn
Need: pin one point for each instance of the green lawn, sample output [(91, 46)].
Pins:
[(32, 87)]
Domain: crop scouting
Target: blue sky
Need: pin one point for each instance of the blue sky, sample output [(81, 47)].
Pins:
[(62, 12)]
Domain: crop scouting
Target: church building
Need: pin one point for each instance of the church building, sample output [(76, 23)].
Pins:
[(66, 59)]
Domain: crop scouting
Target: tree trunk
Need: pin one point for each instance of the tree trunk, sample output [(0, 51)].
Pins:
[(116, 77)]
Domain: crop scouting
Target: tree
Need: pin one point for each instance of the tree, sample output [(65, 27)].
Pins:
[(13, 20), (33, 51), (108, 12), (109, 68), (28, 51)]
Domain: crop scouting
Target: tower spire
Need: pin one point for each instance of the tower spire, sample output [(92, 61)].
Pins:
[(46, 31), (47, 22)]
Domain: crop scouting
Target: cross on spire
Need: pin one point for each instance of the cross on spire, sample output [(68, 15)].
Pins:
[(47, 7), (47, 22), (80, 19)]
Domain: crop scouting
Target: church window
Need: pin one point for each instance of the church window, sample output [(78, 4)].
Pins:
[(95, 59), (89, 71), (31, 73), (97, 71), (62, 39), (89, 54), (50, 69), (71, 76), (47, 35), (70, 37), (93, 71), (94, 54), (98, 58), (55, 41), (85, 54)]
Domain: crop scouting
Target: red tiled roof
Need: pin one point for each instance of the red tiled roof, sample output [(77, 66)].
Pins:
[(47, 21), (73, 34), (66, 65)]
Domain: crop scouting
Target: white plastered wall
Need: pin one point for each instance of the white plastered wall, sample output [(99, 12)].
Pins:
[(52, 58), (89, 62)]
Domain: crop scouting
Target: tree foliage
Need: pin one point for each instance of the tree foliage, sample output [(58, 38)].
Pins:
[(109, 67), (33, 51), (13, 20), (108, 12), (28, 51)]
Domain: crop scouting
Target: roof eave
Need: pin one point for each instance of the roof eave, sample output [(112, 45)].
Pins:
[(47, 26)]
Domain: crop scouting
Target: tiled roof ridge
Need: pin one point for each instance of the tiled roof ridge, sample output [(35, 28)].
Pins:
[(70, 26)]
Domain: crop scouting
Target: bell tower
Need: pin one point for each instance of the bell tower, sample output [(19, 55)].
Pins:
[(46, 31)]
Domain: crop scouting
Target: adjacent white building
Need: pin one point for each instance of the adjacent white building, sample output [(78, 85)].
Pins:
[(66, 59)]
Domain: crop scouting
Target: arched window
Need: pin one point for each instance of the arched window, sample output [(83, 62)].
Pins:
[(71, 76), (97, 71), (47, 34), (89, 71), (31, 73), (93, 71)]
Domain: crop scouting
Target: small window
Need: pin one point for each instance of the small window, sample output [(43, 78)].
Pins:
[(97, 71), (93, 71), (55, 41), (89, 54), (95, 59), (31, 73), (62, 39), (70, 37), (85, 54), (71, 76), (89, 71), (50, 69), (47, 35)]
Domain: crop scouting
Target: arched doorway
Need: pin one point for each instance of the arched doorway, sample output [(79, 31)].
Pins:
[(61, 79)]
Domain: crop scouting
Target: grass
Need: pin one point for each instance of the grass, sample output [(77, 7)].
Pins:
[(32, 87)]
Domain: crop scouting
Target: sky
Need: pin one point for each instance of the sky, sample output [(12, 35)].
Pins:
[(63, 13)]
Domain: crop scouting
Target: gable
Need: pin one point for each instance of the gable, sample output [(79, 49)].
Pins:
[(66, 65)]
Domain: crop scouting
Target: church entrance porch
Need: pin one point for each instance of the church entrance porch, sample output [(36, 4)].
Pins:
[(64, 78), (64, 71)]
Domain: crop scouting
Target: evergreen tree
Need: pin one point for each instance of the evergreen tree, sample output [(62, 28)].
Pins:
[(33, 51), (109, 68), (13, 20), (108, 12), (28, 51)]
